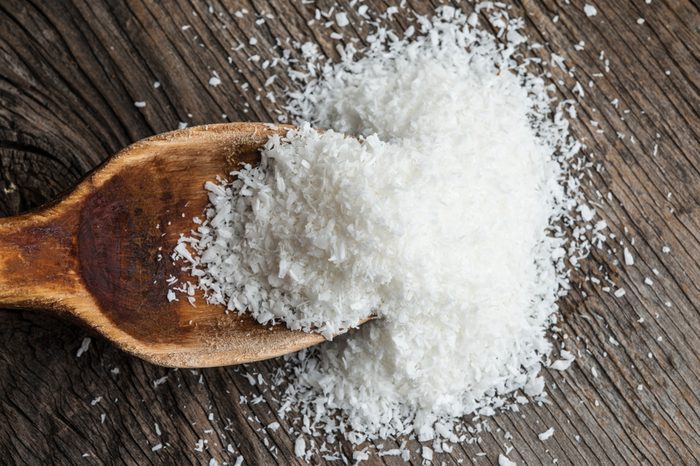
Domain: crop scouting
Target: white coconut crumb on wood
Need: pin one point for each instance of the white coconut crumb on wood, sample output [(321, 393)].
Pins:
[(215, 80), (139, 104), (359, 456), (300, 447), (199, 446), (629, 258), (84, 345), (590, 10), (160, 381), (341, 19), (567, 358), (546, 434), (273, 426), (505, 461)]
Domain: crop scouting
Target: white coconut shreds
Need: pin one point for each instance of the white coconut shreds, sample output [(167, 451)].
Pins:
[(314, 235), (441, 215)]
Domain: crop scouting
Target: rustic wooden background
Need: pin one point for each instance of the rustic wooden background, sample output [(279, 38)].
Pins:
[(70, 72)]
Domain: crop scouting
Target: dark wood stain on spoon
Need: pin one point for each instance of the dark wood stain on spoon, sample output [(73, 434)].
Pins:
[(118, 256)]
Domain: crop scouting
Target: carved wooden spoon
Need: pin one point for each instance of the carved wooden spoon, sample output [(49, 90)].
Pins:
[(95, 254)]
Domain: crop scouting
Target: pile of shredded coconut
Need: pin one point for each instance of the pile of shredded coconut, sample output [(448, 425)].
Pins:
[(435, 201)]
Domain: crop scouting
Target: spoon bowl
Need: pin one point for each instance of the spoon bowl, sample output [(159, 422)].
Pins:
[(102, 253)]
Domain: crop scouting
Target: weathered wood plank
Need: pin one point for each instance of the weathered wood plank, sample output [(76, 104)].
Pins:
[(70, 72)]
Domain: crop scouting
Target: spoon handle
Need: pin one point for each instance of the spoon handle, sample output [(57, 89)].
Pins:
[(37, 260)]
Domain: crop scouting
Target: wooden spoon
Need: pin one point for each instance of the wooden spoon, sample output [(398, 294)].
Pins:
[(102, 253)]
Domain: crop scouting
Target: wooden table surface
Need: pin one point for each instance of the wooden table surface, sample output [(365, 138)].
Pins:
[(70, 72)]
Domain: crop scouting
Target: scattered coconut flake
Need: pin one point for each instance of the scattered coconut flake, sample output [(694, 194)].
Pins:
[(299, 447), (341, 19), (564, 363), (590, 10), (199, 446), (215, 80), (83, 347), (359, 456), (546, 434), (160, 381), (273, 426)]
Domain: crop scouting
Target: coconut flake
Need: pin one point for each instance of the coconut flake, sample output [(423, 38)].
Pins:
[(83, 347), (590, 10), (546, 434)]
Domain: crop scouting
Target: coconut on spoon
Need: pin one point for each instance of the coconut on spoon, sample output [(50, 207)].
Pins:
[(101, 254)]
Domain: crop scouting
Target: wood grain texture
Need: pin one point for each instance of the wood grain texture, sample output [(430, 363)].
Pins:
[(70, 72)]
